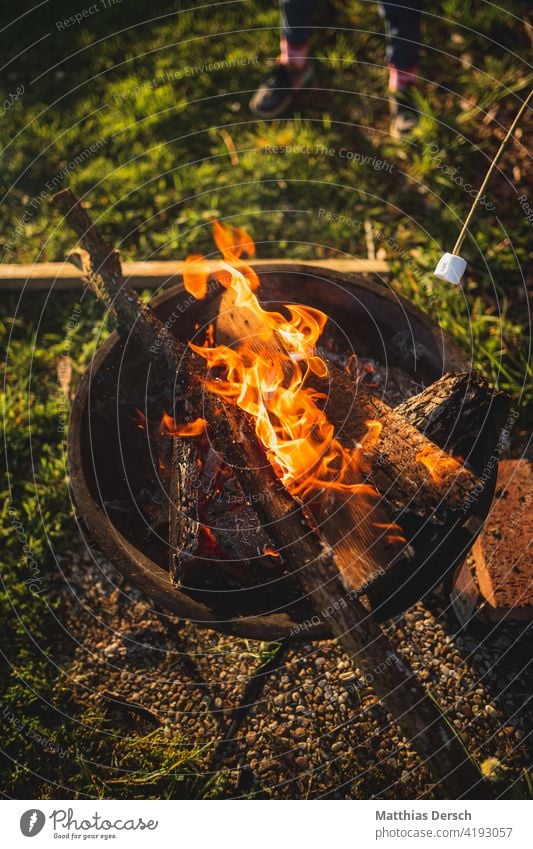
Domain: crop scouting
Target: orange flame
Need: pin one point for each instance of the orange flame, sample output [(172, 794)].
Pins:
[(233, 242), (439, 467), (289, 422), (168, 427), (195, 428), (195, 274)]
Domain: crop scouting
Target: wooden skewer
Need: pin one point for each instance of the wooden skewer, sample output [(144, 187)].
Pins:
[(492, 166)]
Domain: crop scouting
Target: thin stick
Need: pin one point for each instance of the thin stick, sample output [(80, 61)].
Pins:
[(492, 166)]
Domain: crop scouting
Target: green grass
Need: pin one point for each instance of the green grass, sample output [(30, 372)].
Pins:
[(157, 162), (53, 746)]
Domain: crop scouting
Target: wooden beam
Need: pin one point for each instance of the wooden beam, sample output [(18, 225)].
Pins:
[(155, 275)]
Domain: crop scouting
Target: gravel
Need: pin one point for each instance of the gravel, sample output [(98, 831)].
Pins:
[(316, 730)]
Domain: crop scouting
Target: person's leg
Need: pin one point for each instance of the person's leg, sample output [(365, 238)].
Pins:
[(402, 26), (296, 18), (292, 70)]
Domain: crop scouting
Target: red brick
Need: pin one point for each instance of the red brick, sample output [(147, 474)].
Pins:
[(502, 554)]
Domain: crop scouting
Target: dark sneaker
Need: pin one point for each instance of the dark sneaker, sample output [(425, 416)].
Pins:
[(404, 112), (277, 93)]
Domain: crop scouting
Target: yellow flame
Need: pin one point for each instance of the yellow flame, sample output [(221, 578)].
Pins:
[(299, 439)]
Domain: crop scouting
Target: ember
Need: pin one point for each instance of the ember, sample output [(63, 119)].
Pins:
[(362, 372), (168, 427)]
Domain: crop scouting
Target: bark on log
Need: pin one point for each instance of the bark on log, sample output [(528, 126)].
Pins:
[(458, 407), (184, 526), (396, 470), (400, 477), (312, 564)]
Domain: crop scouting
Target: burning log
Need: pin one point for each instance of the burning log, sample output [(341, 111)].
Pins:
[(203, 491), (458, 407), (312, 563), (184, 527), (346, 512), (409, 470), (314, 566)]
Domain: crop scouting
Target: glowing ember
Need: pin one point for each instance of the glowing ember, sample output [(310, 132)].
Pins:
[(362, 372), (438, 466), (209, 541)]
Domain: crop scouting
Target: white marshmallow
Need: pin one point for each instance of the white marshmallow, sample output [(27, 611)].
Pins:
[(450, 268)]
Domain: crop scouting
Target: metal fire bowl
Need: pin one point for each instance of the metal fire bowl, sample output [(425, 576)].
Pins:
[(365, 317)]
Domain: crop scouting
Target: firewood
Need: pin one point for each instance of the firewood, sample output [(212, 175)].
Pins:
[(312, 564), (314, 567), (396, 470), (356, 526), (457, 408), (208, 507), (184, 527)]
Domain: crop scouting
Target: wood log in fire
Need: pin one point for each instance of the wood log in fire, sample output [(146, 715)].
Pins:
[(409, 470), (215, 539), (184, 526), (459, 406)]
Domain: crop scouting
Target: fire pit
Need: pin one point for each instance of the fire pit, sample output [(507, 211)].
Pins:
[(345, 503), (120, 477)]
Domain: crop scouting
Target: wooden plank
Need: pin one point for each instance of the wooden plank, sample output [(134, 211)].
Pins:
[(155, 275), (502, 552)]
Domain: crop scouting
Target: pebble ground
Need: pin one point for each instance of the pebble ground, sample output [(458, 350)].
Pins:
[(315, 729)]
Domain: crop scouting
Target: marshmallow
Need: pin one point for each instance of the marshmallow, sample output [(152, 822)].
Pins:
[(450, 268)]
